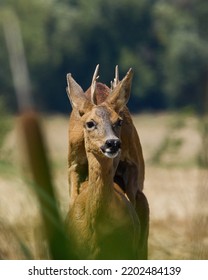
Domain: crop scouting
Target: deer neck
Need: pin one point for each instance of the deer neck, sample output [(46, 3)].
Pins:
[(100, 184)]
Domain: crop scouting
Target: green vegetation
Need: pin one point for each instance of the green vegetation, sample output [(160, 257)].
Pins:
[(203, 155), (166, 43), (3, 122), (5, 126)]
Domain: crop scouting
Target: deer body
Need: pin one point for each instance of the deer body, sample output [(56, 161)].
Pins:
[(105, 167), (102, 223)]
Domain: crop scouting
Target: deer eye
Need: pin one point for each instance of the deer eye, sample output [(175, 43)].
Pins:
[(118, 123), (90, 125)]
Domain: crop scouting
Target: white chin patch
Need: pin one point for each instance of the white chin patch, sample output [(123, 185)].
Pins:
[(110, 154)]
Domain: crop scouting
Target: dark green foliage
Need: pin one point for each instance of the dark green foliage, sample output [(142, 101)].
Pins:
[(165, 42), (5, 125)]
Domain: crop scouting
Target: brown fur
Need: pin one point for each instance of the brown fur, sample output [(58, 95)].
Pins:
[(128, 168), (131, 167), (102, 223)]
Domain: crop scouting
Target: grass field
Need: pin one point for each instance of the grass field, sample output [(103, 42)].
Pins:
[(177, 189)]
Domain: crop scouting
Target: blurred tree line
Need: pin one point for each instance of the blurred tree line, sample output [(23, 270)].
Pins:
[(164, 41)]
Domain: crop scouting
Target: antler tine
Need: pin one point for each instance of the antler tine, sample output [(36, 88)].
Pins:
[(116, 79), (93, 85)]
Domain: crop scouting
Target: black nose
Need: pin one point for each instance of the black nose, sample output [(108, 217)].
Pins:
[(113, 144)]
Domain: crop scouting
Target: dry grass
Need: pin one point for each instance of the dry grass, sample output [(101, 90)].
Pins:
[(176, 188)]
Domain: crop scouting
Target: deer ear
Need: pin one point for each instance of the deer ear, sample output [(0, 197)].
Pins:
[(121, 93), (76, 95)]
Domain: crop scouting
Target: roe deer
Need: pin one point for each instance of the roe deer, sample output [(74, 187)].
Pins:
[(102, 222), (129, 165)]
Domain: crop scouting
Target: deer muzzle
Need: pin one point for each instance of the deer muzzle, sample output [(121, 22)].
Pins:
[(111, 148)]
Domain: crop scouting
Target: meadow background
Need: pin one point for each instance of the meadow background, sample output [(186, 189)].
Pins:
[(166, 44), (175, 185)]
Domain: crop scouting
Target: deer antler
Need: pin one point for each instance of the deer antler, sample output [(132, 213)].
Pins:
[(93, 85), (116, 79)]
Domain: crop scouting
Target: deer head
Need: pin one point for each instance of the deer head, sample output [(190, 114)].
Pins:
[(102, 123)]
